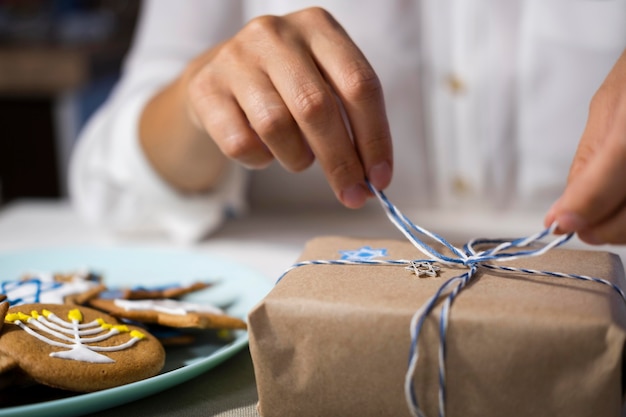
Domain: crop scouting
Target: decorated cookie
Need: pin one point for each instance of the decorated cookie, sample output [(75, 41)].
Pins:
[(83, 275), (170, 336), (160, 292), (7, 364), (77, 348), (172, 313), (50, 288), (4, 307)]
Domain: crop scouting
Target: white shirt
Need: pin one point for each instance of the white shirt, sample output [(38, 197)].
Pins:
[(486, 100)]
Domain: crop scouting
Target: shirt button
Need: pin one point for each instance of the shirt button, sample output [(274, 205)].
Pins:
[(455, 84), (460, 187)]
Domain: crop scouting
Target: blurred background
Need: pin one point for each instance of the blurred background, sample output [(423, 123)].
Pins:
[(58, 62)]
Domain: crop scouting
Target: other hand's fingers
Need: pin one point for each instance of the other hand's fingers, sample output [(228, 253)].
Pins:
[(595, 194)]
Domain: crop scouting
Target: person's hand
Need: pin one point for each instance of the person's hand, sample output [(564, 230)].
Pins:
[(295, 88), (594, 202)]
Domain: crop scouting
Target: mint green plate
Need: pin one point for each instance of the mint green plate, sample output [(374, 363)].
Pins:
[(236, 286)]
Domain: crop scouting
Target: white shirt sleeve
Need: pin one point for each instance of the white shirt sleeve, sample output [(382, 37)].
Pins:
[(486, 102), (112, 184)]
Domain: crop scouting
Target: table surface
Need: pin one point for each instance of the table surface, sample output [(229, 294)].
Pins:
[(266, 241)]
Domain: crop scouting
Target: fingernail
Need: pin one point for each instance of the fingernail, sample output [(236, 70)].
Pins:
[(552, 209), (354, 196), (380, 175), (570, 222), (550, 217)]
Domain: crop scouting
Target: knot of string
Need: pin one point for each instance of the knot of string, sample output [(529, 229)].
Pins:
[(471, 259)]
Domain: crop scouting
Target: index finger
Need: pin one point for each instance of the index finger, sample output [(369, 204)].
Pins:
[(595, 189), (360, 92)]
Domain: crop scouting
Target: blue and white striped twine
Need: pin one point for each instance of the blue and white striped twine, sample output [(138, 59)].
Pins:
[(468, 258)]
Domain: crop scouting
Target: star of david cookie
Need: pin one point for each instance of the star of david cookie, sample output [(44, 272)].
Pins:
[(76, 348), (171, 313), (74, 288)]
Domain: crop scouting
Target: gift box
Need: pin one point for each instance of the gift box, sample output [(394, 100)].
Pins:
[(334, 339)]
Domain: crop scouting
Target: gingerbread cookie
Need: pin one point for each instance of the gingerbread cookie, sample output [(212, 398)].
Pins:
[(172, 313), (83, 275), (77, 348), (143, 293), (7, 365), (4, 307), (52, 288)]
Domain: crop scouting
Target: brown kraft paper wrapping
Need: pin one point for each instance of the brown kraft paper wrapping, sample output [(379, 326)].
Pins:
[(333, 340)]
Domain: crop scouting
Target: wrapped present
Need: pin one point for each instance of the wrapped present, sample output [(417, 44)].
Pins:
[(334, 338), (366, 328)]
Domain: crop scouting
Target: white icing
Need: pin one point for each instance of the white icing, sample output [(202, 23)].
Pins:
[(126, 345), (175, 307), (57, 295), (72, 330), (44, 326), (82, 353), (53, 317), (79, 346)]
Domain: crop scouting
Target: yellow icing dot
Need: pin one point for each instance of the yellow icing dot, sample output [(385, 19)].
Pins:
[(75, 314), (121, 328), (137, 334), (104, 324), (223, 334), (46, 313), (34, 314), (13, 317)]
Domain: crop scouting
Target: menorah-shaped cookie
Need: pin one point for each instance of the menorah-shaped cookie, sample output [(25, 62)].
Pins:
[(76, 348)]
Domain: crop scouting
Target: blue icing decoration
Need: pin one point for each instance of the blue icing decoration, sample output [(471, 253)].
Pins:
[(364, 253), (24, 293)]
